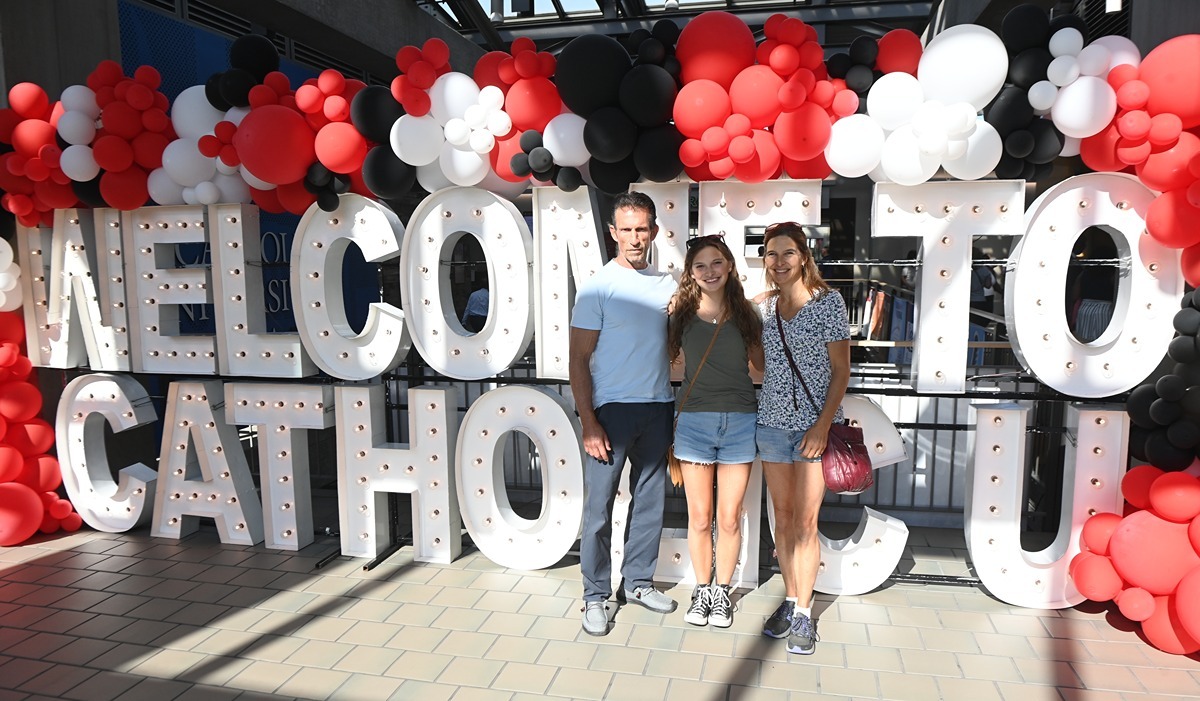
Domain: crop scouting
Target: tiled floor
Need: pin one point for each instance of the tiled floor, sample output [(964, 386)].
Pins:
[(95, 616)]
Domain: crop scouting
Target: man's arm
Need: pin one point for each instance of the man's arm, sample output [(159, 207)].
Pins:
[(583, 344)]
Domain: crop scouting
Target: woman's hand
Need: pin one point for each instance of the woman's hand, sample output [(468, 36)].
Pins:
[(812, 446)]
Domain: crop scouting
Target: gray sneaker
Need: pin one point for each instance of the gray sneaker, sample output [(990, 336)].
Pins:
[(595, 618), (697, 613), (721, 614), (780, 622), (651, 598), (802, 639)]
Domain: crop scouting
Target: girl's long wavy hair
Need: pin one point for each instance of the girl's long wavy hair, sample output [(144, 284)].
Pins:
[(810, 275), (741, 311)]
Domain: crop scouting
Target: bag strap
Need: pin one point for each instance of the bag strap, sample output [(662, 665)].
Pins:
[(792, 361), (711, 343)]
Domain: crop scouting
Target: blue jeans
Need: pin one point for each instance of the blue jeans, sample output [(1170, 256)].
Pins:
[(712, 437)]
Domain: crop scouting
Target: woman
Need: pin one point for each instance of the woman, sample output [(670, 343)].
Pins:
[(793, 427), (718, 332)]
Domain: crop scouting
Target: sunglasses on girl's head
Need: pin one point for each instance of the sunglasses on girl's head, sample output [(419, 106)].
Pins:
[(699, 240)]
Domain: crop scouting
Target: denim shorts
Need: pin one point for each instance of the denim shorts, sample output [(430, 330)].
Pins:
[(708, 437), (780, 445)]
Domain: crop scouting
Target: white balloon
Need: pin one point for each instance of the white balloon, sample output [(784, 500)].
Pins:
[(878, 175), (417, 140), (10, 302), (508, 190), (77, 127), (207, 193), (192, 115), (893, 100), (79, 163), (928, 118), (965, 63), (8, 282), (959, 119), (254, 181), (1070, 146), (476, 116), (984, 148), (1067, 41), (1122, 51), (933, 143), (457, 132), (491, 97), (1094, 60), (855, 145), (6, 254), (464, 168), (1084, 108), (232, 187), (224, 169), (563, 137), (189, 196), (956, 148), (482, 141), (450, 96), (1042, 95), (236, 114), (1063, 70), (499, 123), (431, 178), (80, 98), (903, 161), (163, 189), (185, 164)]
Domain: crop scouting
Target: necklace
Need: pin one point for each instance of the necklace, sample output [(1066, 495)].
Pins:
[(714, 318)]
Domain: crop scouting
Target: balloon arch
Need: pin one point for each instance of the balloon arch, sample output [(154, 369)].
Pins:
[(704, 103)]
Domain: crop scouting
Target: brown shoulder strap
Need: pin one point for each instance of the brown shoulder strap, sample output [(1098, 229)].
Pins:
[(711, 343)]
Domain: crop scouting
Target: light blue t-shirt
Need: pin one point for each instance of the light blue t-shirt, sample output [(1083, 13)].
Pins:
[(629, 309)]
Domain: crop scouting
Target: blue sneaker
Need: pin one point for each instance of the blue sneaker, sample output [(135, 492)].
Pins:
[(780, 622), (802, 639)]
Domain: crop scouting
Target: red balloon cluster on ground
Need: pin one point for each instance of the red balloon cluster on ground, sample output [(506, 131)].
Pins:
[(29, 478), (34, 184), (1148, 561)]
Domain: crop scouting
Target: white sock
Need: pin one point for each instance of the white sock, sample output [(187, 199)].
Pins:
[(807, 610), (794, 600)]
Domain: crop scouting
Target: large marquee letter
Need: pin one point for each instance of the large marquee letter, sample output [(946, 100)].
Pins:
[(436, 226), (369, 468), (946, 215), (1148, 296), (670, 246), (317, 253), (87, 402), (1096, 455)]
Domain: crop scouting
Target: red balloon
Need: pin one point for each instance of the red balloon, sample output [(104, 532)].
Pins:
[(125, 189), (1121, 74), (899, 52), (20, 513), (1132, 152), (421, 75), (1136, 604), (148, 76), (1187, 603), (740, 150), (1170, 65), (336, 108), (21, 368), (19, 401), (294, 197), (715, 142), (845, 103), (1099, 152), (1135, 485), (148, 149), (49, 524), (12, 327), (1168, 170), (1164, 130), (722, 168), (1134, 124), (1097, 531), (275, 144), (12, 463), (755, 93), (406, 57), (532, 102), (699, 105), (507, 71), (784, 59), (436, 52), (1096, 578), (309, 98), (9, 352), (267, 200), (526, 64), (714, 46), (28, 100), (1152, 553), (765, 162), (340, 147), (501, 157), (1171, 220), (60, 508), (1133, 95), (813, 169), (1164, 630), (1189, 262), (487, 68), (140, 97), (1175, 496), (31, 135), (331, 82), (803, 133), (112, 153), (762, 52), (71, 523), (700, 173), (42, 473), (122, 120), (692, 152), (33, 437)]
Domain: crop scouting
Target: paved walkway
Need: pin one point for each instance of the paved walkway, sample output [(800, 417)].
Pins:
[(96, 616)]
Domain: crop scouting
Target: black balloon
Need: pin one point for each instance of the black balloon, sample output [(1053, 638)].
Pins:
[(666, 31), (373, 111), (254, 53), (589, 72), (88, 191), (1137, 442), (634, 41), (1048, 141), (647, 95), (838, 64), (327, 200), (1009, 168), (1138, 406), (530, 140), (519, 164), (1187, 321), (657, 153), (318, 174), (1195, 300), (609, 135), (1164, 412), (1165, 456), (1191, 401), (613, 178), (1182, 349), (1028, 171), (1184, 434), (212, 92), (1186, 300), (569, 179), (1024, 26), (1170, 387), (1190, 372), (860, 78), (864, 51), (235, 87), (1029, 66), (651, 51), (540, 159), (340, 184), (1041, 171), (1069, 20), (1010, 111), (386, 175)]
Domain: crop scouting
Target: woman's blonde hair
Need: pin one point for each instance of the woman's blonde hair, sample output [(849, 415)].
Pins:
[(687, 299)]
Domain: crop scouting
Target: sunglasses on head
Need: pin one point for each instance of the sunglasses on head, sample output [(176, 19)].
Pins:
[(701, 240)]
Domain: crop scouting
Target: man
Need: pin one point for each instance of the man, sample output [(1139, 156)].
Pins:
[(621, 382)]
